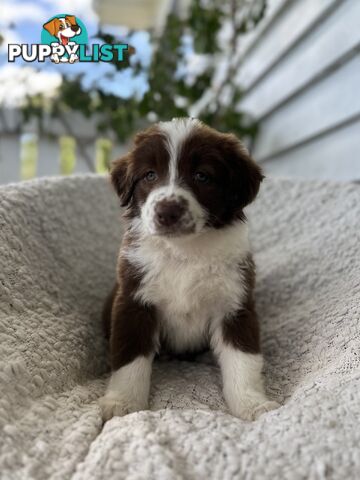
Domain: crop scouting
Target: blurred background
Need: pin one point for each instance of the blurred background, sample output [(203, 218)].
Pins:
[(284, 75)]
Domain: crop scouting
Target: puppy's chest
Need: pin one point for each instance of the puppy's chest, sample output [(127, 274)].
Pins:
[(191, 290)]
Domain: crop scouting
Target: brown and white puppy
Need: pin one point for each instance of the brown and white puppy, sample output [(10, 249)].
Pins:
[(185, 271)]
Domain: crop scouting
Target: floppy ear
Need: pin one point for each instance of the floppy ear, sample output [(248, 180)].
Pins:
[(122, 174), (52, 27), (71, 19), (122, 180), (247, 174)]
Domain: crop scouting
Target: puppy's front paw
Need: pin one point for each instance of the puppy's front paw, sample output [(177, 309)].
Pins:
[(118, 406), (251, 410)]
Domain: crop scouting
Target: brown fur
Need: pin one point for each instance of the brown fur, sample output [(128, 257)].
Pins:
[(130, 326), (133, 325), (128, 172), (242, 329), (235, 176), (52, 26), (107, 311)]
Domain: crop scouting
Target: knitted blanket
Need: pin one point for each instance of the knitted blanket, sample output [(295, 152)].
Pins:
[(58, 246)]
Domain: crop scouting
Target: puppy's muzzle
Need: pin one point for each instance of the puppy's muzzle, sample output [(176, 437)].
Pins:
[(169, 213)]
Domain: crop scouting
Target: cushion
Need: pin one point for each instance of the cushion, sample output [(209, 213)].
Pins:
[(59, 239)]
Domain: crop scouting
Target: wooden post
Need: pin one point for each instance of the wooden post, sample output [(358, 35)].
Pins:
[(29, 153), (67, 154), (103, 147)]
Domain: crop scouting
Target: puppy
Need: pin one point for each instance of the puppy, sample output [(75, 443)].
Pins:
[(185, 275), (63, 29)]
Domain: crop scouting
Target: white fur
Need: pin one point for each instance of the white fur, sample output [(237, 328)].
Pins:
[(176, 132), (193, 280), (128, 389), (242, 380)]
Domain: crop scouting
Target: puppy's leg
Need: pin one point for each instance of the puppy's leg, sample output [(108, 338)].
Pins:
[(236, 345), (132, 349), (128, 389)]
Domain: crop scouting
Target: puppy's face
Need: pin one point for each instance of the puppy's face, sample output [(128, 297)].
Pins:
[(63, 28), (183, 177)]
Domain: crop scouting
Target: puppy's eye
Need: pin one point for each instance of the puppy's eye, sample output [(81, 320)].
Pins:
[(201, 177), (61, 27), (150, 176)]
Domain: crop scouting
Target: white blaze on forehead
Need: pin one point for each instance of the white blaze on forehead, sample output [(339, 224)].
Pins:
[(176, 132)]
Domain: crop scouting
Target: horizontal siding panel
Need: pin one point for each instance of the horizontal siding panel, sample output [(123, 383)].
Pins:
[(324, 105), (331, 157), (325, 46), (288, 28), (248, 40)]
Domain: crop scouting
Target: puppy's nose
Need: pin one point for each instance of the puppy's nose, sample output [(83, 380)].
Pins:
[(74, 28), (168, 214)]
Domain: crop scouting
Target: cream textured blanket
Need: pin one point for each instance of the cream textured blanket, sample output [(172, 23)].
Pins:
[(58, 246)]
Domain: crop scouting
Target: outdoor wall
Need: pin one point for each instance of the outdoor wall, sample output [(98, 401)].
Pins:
[(301, 72)]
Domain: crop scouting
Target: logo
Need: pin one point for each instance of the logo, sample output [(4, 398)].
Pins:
[(65, 34), (64, 39)]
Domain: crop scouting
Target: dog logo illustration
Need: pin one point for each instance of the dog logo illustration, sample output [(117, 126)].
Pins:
[(64, 28)]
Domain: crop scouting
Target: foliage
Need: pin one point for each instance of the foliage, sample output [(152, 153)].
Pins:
[(171, 91)]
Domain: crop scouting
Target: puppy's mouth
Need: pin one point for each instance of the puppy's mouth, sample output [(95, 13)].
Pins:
[(64, 40), (174, 232)]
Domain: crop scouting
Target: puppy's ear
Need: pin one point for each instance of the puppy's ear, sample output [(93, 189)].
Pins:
[(247, 174), (71, 19), (122, 175), (122, 180), (52, 27), (144, 135)]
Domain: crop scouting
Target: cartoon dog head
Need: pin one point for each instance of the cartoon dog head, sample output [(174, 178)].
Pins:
[(63, 28)]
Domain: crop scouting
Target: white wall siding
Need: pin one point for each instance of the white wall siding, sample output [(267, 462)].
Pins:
[(294, 20), (305, 93), (337, 37), (334, 156), (319, 108)]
